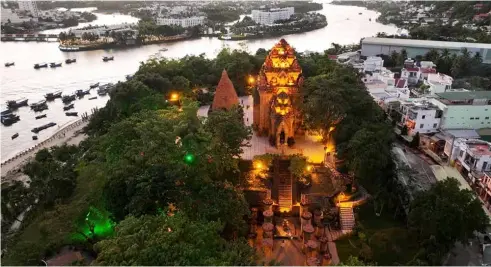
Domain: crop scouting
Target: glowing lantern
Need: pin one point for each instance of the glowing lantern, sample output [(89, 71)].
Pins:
[(174, 97), (259, 165), (189, 158), (251, 80), (309, 168)]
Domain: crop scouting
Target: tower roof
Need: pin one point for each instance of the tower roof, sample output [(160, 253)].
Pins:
[(225, 95)]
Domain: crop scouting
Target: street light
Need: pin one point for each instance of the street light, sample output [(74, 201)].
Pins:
[(174, 97), (251, 79)]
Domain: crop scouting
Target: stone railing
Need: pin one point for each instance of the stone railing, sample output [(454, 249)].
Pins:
[(59, 134)]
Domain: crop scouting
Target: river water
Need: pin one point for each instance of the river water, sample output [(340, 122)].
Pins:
[(345, 26)]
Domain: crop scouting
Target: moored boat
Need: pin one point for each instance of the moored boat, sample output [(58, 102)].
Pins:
[(15, 136), (40, 128), (71, 114), (39, 106), (55, 65), (9, 119), (94, 85), (105, 59), (68, 98), (69, 61), (41, 116), (40, 65), (8, 64), (52, 96), (34, 137), (17, 103), (81, 93), (68, 107), (92, 98)]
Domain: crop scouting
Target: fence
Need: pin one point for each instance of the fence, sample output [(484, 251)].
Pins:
[(59, 134)]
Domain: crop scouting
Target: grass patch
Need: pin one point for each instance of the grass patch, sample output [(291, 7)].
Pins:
[(380, 239)]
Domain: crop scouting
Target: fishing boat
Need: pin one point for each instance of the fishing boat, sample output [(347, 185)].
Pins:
[(69, 61), (105, 59), (15, 136), (370, 19), (39, 106), (9, 119), (71, 114), (6, 112), (55, 65), (68, 98), (8, 64), (17, 103), (92, 98), (360, 13), (94, 85), (52, 96), (40, 128), (65, 108), (81, 93), (41, 116), (40, 65), (34, 137)]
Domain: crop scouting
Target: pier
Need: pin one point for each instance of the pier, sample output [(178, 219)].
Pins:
[(29, 37)]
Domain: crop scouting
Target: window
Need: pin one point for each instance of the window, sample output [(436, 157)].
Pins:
[(435, 124), (486, 118), (477, 118), (424, 116), (421, 125), (472, 118)]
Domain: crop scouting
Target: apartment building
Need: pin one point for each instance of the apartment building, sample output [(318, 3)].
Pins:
[(438, 83), (269, 16), (420, 116), (471, 157), (184, 22), (29, 6)]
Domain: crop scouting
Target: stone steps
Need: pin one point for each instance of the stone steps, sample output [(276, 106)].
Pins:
[(346, 218)]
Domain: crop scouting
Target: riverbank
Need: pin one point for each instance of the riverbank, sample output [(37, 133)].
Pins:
[(70, 134), (271, 34)]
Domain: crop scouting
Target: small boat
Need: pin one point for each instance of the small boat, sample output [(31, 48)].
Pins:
[(54, 65), (6, 112), (163, 49), (39, 106), (65, 108), (9, 119), (41, 116), (17, 103), (52, 96), (105, 59), (370, 19), (34, 137), (360, 13), (68, 98), (8, 64), (81, 93), (40, 65), (92, 98), (94, 85), (69, 61), (71, 114), (40, 103), (40, 128), (15, 136)]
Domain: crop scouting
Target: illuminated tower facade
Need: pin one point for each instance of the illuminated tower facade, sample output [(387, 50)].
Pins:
[(277, 92)]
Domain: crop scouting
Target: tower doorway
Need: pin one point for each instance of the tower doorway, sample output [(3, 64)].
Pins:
[(282, 137)]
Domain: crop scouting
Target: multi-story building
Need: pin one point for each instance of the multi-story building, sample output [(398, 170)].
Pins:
[(269, 16), (471, 157), (30, 6), (438, 83), (384, 88), (373, 64), (464, 109), (185, 22), (484, 189), (420, 115)]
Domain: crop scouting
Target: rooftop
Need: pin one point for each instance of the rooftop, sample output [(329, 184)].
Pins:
[(423, 43), (455, 96), (440, 78)]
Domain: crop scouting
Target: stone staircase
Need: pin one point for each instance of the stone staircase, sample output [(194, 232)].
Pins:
[(346, 219), (285, 185)]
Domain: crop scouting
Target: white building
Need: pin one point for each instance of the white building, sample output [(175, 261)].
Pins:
[(268, 17), (384, 88), (420, 115), (373, 64), (464, 109), (101, 30), (438, 83), (471, 156), (183, 22), (30, 6), (11, 17)]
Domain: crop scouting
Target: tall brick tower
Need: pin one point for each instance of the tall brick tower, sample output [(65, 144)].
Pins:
[(276, 94)]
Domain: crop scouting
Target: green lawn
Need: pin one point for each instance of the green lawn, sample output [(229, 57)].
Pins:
[(387, 242)]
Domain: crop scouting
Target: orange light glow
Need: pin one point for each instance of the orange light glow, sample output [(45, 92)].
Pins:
[(309, 168), (174, 97), (251, 80), (259, 165)]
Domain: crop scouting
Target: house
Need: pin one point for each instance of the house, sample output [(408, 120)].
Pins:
[(471, 157), (411, 74), (373, 64), (484, 192), (420, 115), (480, 17), (384, 88), (437, 82)]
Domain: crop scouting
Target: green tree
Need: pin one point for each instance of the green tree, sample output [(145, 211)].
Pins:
[(171, 240), (415, 141), (404, 130), (435, 213)]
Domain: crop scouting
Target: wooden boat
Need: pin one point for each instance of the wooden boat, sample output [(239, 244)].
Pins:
[(39, 106), (40, 65), (68, 107), (52, 96), (40, 103), (370, 19), (68, 98), (46, 126), (105, 59), (17, 103), (71, 114), (15, 136), (6, 112), (95, 85), (34, 137), (81, 93), (9, 119), (92, 98), (41, 116), (8, 64), (69, 61), (54, 65)]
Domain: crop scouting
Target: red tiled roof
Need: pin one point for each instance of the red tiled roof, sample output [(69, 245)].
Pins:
[(333, 57), (225, 95), (400, 83), (412, 69), (428, 70)]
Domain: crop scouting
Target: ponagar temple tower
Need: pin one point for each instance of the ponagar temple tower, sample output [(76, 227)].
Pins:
[(277, 91), (225, 95)]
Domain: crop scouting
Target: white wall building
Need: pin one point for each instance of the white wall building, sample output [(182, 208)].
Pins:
[(464, 109), (183, 22), (373, 64), (420, 115), (30, 6), (472, 155), (268, 17), (384, 88), (438, 83)]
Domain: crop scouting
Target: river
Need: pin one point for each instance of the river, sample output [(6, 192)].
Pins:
[(345, 26)]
